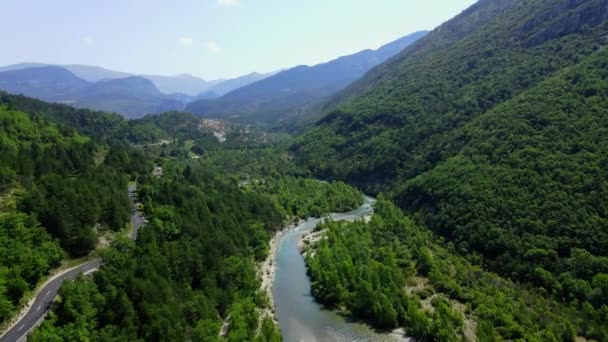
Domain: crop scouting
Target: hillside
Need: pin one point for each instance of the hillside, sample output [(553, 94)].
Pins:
[(47, 83), (226, 86), (290, 92), (131, 96), (64, 195), (59, 192), (489, 131)]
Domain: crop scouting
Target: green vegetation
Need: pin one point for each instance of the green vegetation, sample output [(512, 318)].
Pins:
[(392, 273), (302, 197), (91, 123), (193, 265), (527, 195), (256, 163), (491, 131), (64, 197), (27, 253), (67, 191), (108, 128)]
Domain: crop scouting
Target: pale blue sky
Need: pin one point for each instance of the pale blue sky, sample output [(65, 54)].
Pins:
[(208, 38)]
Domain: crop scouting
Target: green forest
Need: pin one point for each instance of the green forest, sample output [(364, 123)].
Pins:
[(394, 273), (485, 142), (193, 266), (190, 267), (304, 197), (501, 151), (58, 189)]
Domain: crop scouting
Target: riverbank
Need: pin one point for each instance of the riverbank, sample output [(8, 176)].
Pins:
[(300, 316), (267, 268), (306, 244)]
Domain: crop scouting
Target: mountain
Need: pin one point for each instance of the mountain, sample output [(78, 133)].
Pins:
[(130, 96), (20, 66), (47, 83), (226, 86), (185, 84), (290, 92), (491, 131), (94, 73), (86, 72)]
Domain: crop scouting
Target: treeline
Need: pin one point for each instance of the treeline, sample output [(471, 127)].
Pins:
[(95, 124), (191, 267), (304, 197), (392, 273), (247, 164), (186, 129)]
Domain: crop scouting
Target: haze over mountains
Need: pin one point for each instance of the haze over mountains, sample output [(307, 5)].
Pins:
[(103, 89), (185, 84), (261, 99), (290, 92)]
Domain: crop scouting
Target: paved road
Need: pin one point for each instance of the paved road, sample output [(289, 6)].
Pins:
[(18, 332), (136, 217)]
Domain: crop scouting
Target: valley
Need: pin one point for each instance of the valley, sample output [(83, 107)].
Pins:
[(484, 143)]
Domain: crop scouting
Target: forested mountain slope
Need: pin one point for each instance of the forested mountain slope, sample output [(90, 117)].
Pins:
[(289, 92), (59, 190), (194, 264), (491, 130), (112, 128), (464, 68)]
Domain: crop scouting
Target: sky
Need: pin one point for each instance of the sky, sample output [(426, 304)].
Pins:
[(208, 38)]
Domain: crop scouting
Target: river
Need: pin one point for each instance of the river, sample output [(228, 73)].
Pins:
[(300, 317)]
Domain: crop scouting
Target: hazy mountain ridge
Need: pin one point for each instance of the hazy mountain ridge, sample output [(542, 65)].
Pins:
[(290, 92), (186, 84), (130, 96), (47, 83), (103, 89), (226, 86)]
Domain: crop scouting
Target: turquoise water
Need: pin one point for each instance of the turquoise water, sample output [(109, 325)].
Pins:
[(301, 318)]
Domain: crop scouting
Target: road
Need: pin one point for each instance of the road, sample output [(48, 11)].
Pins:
[(136, 217), (45, 296)]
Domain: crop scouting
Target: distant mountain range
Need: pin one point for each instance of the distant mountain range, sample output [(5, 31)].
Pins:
[(108, 90), (224, 87), (291, 92), (264, 99), (182, 84), (131, 96)]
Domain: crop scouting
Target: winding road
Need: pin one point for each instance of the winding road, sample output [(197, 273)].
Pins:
[(45, 295)]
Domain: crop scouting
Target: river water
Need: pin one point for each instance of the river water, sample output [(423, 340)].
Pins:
[(300, 317)]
